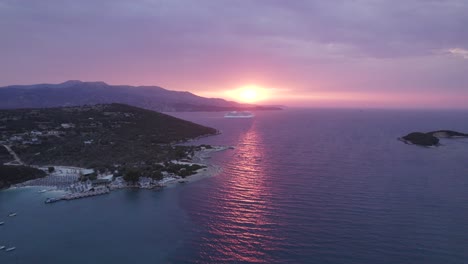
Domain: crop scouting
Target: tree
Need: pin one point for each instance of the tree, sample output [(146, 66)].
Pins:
[(156, 174), (132, 176), (51, 169), (93, 176)]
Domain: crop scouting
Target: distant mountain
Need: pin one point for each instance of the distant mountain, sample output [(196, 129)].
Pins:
[(73, 93)]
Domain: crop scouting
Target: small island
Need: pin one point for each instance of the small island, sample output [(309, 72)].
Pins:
[(430, 138), (93, 149)]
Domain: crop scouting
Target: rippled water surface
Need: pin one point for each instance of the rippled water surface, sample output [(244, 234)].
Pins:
[(301, 186)]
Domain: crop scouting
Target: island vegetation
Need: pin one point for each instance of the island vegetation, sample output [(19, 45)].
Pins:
[(431, 138)]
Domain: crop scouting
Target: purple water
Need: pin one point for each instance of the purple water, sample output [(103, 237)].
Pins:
[(301, 186)]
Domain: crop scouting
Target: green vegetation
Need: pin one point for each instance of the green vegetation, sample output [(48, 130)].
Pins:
[(15, 174), (132, 176), (431, 138), (182, 170), (423, 139), (5, 156), (100, 136)]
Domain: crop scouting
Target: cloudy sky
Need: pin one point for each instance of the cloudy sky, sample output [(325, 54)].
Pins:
[(365, 53)]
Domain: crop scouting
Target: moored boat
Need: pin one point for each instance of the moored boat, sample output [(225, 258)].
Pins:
[(10, 249), (12, 214), (52, 200), (2, 247)]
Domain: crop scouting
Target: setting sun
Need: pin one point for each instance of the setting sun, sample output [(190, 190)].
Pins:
[(248, 94)]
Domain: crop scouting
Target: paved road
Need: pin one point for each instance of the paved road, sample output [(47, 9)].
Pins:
[(17, 160)]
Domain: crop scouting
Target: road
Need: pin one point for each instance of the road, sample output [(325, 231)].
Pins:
[(17, 160)]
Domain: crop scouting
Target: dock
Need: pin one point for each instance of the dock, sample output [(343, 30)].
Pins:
[(75, 196)]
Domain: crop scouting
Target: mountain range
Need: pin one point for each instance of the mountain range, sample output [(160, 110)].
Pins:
[(73, 93)]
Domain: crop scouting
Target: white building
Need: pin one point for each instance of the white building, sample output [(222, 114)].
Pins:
[(67, 125), (53, 133), (36, 133)]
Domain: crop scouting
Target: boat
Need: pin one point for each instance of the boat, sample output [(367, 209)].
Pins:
[(2, 247), (239, 114), (42, 191), (12, 214), (2, 223), (52, 200), (10, 249)]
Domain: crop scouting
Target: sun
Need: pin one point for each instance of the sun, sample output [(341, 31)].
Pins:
[(248, 95)]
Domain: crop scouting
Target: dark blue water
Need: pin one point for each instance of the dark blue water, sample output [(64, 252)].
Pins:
[(302, 186)]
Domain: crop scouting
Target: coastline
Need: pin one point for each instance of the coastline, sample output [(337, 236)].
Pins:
[(200, 157)]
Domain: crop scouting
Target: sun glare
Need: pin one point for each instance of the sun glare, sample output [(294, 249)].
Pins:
[(249, 94)]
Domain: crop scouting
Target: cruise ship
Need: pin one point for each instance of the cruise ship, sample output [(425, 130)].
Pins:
[(239, 114)]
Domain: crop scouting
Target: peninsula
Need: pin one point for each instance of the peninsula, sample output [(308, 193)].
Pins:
[(92, 142)]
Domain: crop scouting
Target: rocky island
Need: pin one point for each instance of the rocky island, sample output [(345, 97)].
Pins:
[(97, 144), (430, 138)]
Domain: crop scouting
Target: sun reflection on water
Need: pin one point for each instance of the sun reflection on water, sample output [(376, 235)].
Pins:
[(243, 231)]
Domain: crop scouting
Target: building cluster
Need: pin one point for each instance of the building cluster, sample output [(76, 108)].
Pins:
[(88, 186), (43, 132)]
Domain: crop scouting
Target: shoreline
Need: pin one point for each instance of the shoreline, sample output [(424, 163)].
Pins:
[(200, 157)]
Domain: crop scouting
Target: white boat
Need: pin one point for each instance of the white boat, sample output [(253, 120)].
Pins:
[(1, 223), (2, 247), (12, 214), (10, 249), (239, 114)]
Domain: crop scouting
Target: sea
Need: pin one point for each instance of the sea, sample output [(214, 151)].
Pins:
[(327, 186)]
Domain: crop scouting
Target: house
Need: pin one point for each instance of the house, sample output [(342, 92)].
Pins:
[(53, 133), (86, 172), (16, 138), (100, 182), (81, 187), (87, 142), (36, 133), (145, 182), (67, 125)]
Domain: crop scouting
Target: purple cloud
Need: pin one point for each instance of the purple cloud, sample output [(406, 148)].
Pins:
[(205, 45)]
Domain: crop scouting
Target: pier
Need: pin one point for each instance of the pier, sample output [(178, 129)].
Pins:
[(75, 196)]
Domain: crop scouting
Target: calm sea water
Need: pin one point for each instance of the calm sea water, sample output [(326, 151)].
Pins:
[(302, 186)]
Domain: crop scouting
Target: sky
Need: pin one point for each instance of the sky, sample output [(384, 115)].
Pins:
[(333, 53)]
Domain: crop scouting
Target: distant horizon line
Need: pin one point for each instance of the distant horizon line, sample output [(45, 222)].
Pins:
[(276, 104)]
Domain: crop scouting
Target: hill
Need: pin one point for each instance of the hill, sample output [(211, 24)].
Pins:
[(95, 136), (10, 175), (74, 93)]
